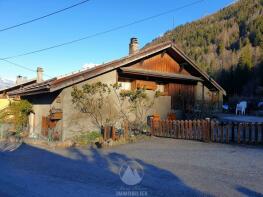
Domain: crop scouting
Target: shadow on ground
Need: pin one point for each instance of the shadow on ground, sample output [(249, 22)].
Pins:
[(248, 192), (31, 171)]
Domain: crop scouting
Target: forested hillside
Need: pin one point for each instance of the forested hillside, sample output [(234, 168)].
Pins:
[(228, 45)]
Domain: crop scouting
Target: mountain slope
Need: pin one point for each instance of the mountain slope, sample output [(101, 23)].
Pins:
[(5, 83), (228, 45), (218, 40)]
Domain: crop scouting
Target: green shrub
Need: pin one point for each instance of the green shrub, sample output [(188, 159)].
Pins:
[(86, 138), (17, 114)]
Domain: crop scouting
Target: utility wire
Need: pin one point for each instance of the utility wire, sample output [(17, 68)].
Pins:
[(42, 17), (23, 67), (93, 35), (104, 32)]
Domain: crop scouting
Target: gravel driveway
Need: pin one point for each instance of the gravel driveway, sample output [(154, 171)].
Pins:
[(171, 168)]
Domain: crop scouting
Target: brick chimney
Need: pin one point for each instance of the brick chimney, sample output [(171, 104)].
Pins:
[(133, 46), (39, 74)]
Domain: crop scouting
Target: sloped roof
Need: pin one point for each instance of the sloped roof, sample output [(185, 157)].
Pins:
[(159, 74), (17, 86), (63, 82)]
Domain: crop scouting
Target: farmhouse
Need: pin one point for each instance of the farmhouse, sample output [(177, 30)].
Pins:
[(164, 67)]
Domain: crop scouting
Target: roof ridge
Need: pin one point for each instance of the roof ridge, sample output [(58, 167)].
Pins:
[(116, 60)]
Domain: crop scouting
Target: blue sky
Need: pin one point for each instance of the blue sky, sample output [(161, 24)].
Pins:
[(86, 19)]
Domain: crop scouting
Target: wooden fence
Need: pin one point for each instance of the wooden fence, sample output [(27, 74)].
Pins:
[(206, 130), (110, 132)]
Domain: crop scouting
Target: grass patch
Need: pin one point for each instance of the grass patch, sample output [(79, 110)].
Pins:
[(87, 138)]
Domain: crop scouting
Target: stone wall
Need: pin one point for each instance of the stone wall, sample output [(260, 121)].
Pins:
[(207, 95), (41, 107), (75, 122)]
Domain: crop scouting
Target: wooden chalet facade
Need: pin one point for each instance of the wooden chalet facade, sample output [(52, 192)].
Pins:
[(162, 67)]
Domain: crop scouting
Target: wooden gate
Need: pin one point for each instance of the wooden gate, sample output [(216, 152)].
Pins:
[(44, 128), (49, 126)]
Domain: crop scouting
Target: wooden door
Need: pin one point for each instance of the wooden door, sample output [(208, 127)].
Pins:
[(44, 128), (182, 95)]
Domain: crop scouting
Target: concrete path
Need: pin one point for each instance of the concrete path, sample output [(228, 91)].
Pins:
[(171, 168)]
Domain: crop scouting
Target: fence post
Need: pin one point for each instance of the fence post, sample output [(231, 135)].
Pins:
[(246, 133), (217, 132), (182, 129), (222, 133), (191, 129), (260, 138), (239, 132), (198, 130), (212, 130), (208, 129), (171, 128), (186, 129), (253, 133), (165, 128), (162, 128), (105, 131), (178, 129), (194, 129), (203, 130), (249, 133), (228, 128), (157, 127), (168, 127), (174, 128), (233, 126), (113, 133), (152, 127)]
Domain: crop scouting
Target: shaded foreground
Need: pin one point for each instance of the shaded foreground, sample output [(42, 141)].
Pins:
[(171, 167)]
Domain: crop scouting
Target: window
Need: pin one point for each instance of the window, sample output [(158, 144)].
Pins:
[(148, 85), (160, 87), (125, 85)]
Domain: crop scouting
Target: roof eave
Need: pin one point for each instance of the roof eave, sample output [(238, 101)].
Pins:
[(204, 74), (105, 69), (19, 85), (160, 74)]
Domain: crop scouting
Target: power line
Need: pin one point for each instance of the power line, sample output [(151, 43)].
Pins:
[(23, 67), (42, 17), (93, 35), (106, 31)]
